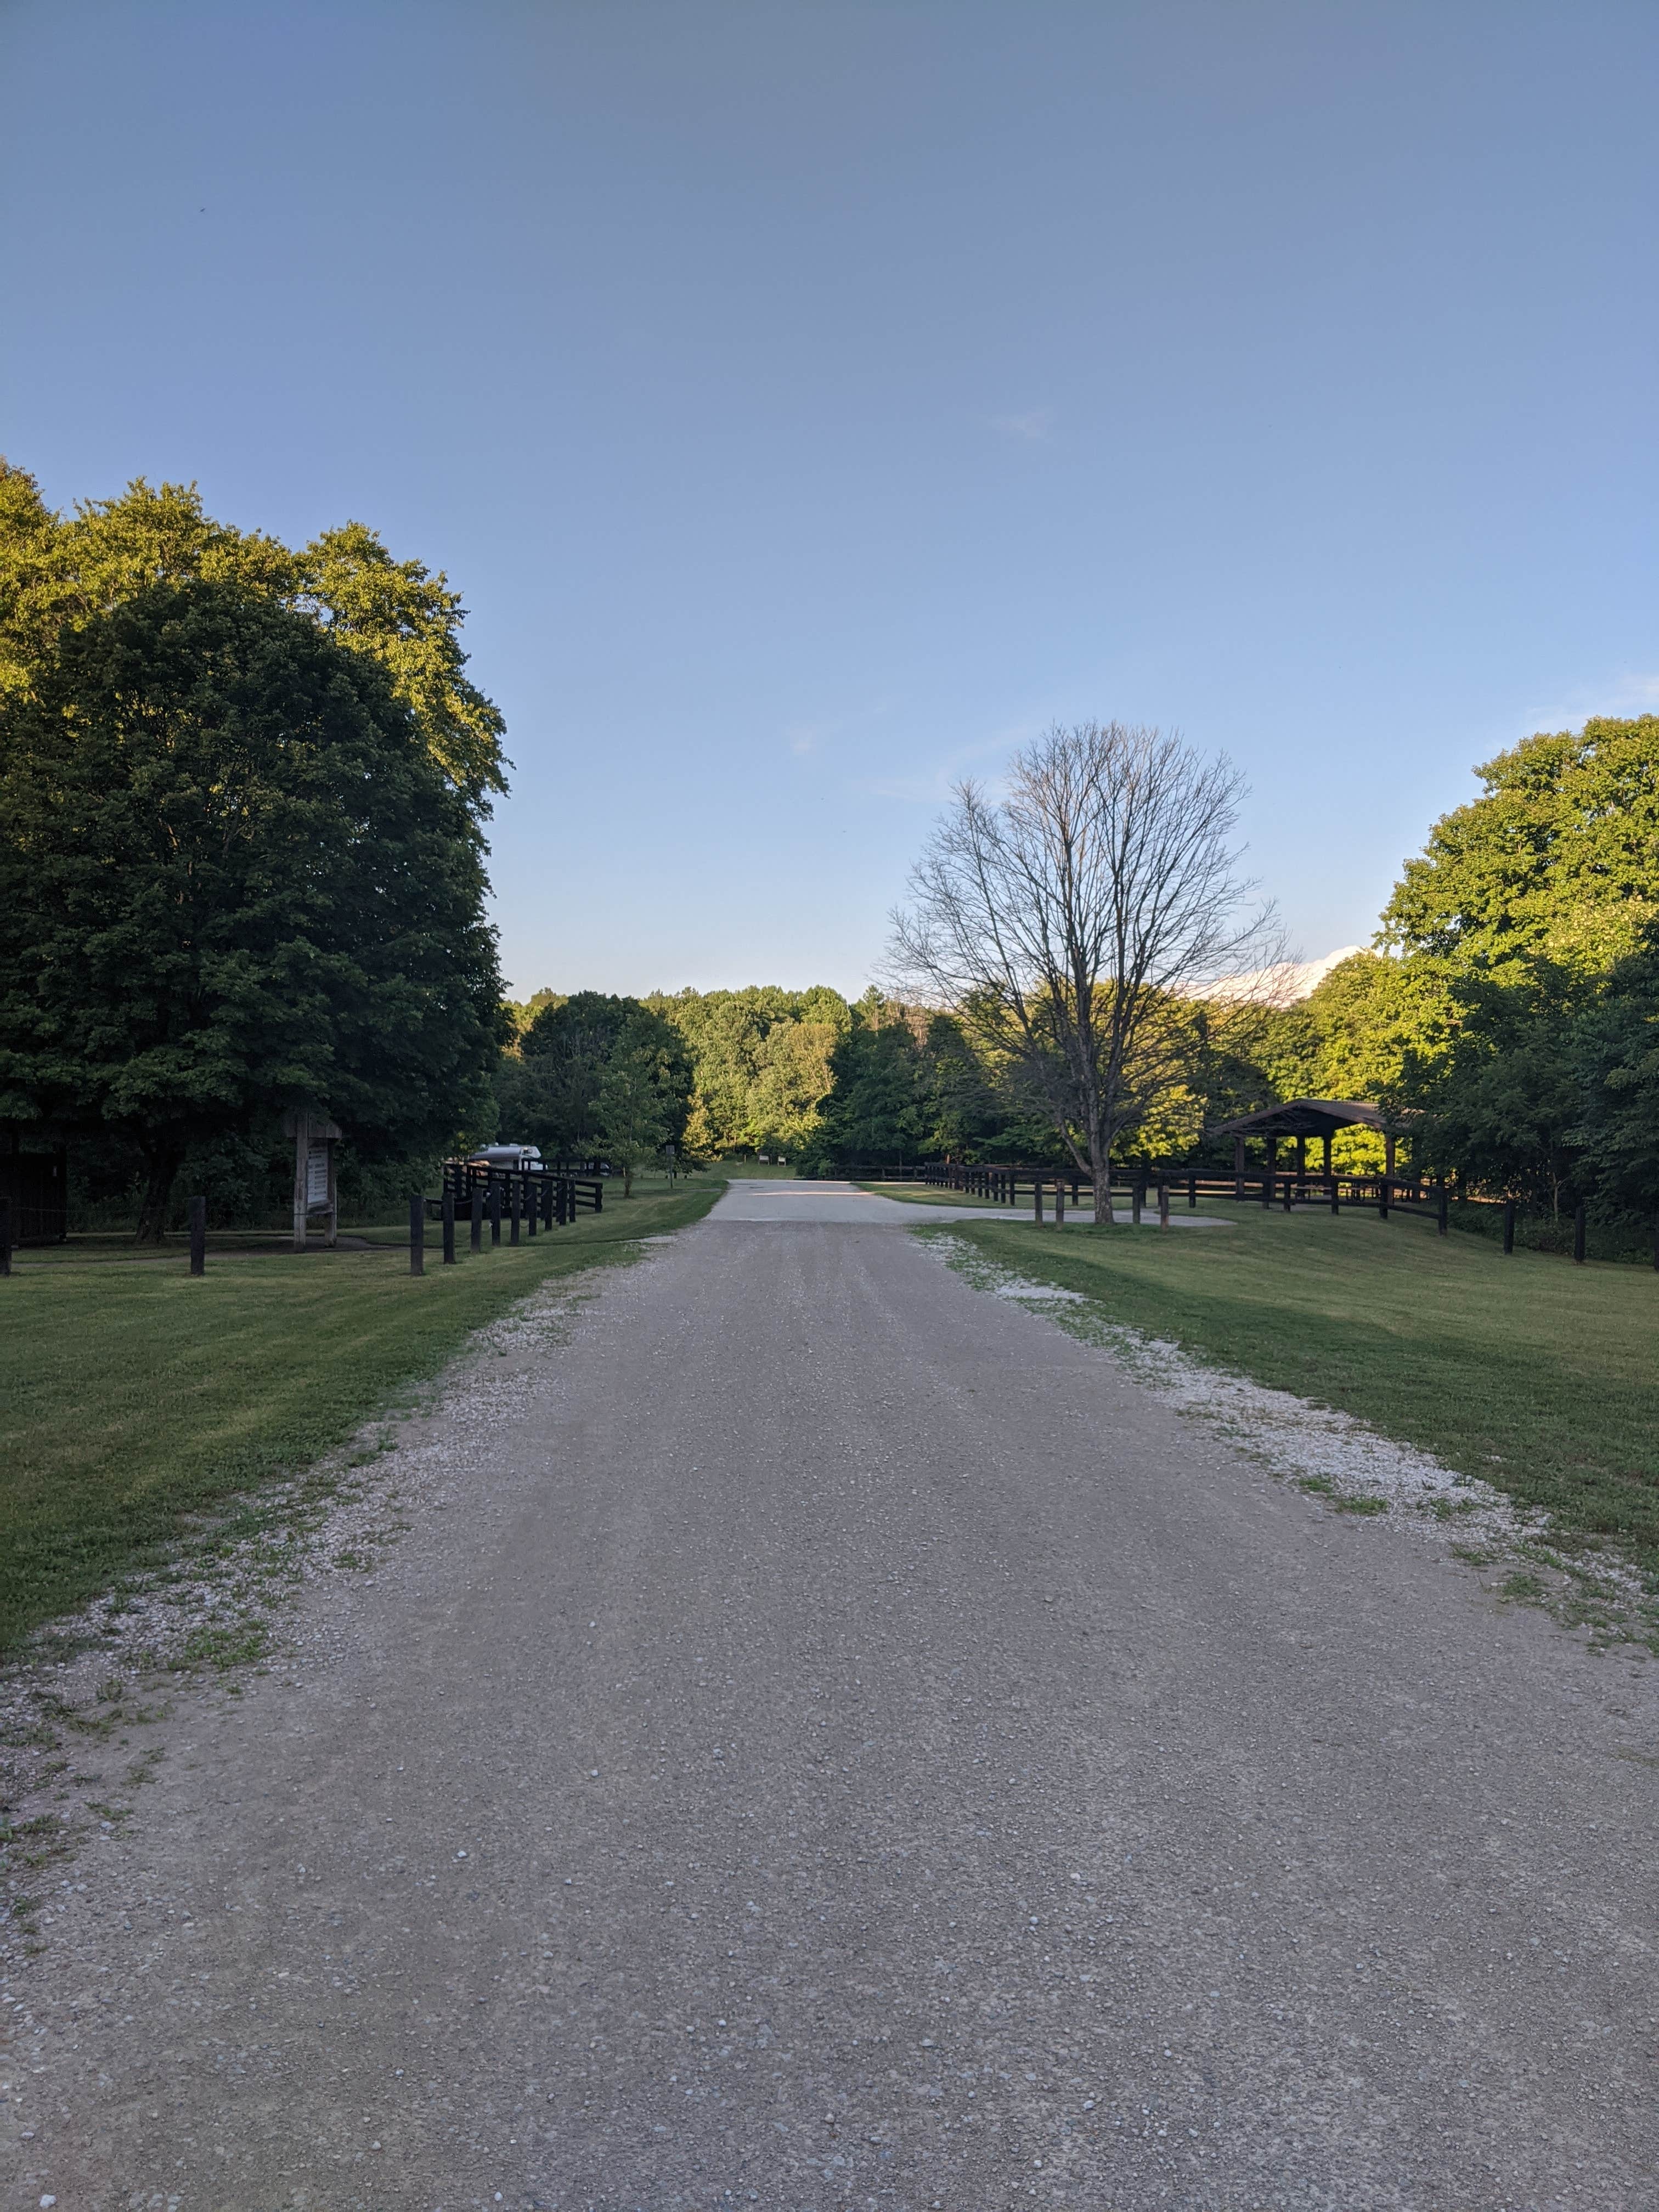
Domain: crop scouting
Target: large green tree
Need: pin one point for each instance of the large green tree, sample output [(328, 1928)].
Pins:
[(234, 876), (762, 1058), (551, 1084), (1558, 859)]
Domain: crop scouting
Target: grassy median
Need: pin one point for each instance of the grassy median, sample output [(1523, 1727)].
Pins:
[(134, 1396), (1539, 1376)]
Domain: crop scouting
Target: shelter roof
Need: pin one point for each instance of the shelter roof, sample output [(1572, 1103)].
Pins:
[(1306, 1117)]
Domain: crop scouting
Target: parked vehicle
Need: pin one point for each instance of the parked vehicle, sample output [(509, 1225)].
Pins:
[(508, 1155)]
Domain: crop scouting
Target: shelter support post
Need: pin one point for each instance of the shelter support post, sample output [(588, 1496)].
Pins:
[(301, 1158)]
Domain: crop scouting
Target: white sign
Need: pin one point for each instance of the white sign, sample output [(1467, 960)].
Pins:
[(317, 1176)]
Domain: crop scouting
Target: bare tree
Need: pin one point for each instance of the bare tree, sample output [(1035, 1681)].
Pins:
[(1072, 924)]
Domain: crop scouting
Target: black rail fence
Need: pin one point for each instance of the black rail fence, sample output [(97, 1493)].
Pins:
[(1013, 1184), (503, 1202), (34, 1192)]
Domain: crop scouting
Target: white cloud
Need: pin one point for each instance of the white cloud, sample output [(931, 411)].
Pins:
[(1031, 429)]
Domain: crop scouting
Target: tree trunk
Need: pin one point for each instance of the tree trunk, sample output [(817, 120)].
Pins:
[(163, 1170)]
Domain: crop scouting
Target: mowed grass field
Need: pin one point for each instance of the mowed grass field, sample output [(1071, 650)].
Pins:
[(132, 1395), (1539, 1376)]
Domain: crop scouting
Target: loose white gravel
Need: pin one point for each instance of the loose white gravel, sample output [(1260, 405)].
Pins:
[(77, 1703), (1332, 1454)]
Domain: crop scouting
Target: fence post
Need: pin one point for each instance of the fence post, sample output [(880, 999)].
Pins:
[(532, 1205), (1509, 1229), (1036, 1198), (1382, 1200), (495, 1212), (417, 1234), (449, 1225), (513, 1193), (5, 1238), (1267, 1188), (1060, 1201), (1289, 1192), (1192, 1193), (1336, 1196), (197, 1236), (1578, 1234), (475, 1241), (1163, 1205)]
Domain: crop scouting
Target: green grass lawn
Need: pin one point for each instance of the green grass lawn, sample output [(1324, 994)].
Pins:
[(134, 1396), (1539, 1376)]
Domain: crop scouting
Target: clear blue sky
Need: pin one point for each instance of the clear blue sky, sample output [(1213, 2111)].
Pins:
[(813, 400)]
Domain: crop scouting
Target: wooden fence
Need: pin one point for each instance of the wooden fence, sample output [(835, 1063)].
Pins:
[(34, 1188), (1013, 1184)]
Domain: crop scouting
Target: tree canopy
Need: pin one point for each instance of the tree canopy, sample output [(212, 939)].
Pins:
[(593, 1073), (761, 1059), (58, 573), (1558, 859), (232, 877)]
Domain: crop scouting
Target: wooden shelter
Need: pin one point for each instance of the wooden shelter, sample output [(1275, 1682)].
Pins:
[(1300, 1119)]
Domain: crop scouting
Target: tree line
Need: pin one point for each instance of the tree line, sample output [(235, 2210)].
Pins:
[(244, 791), (706, 1074), (1066, 945)]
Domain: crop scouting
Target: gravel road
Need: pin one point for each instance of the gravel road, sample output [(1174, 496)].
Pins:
[(830, 1741)]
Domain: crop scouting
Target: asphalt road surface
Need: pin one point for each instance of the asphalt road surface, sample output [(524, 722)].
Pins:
[(840, 1745)]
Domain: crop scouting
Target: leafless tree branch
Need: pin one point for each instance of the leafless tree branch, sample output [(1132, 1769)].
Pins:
[(1070, 925)]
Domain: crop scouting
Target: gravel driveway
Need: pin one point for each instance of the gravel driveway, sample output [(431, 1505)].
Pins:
[(830, 1741)]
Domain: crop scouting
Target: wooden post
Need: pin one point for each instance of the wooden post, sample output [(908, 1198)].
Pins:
[(1382, 1202), (198, 1236), (1301, 1162), (513, 1193), (1508, 1227), (1192, 1193), (532, 1208), (1267, 1181), (417, 1234), (495, 1212), (1238, 1168), (475, 1241), (1387, 1156), (1441, 1222), (1060, 1201), (301, 1162), (449, 1223), (1328, 1155), (333, 1218), (1036, 1198), (1336, 1202), (1289, 1192), (5, 1238), (1578, 1225), (1163, 1205)]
